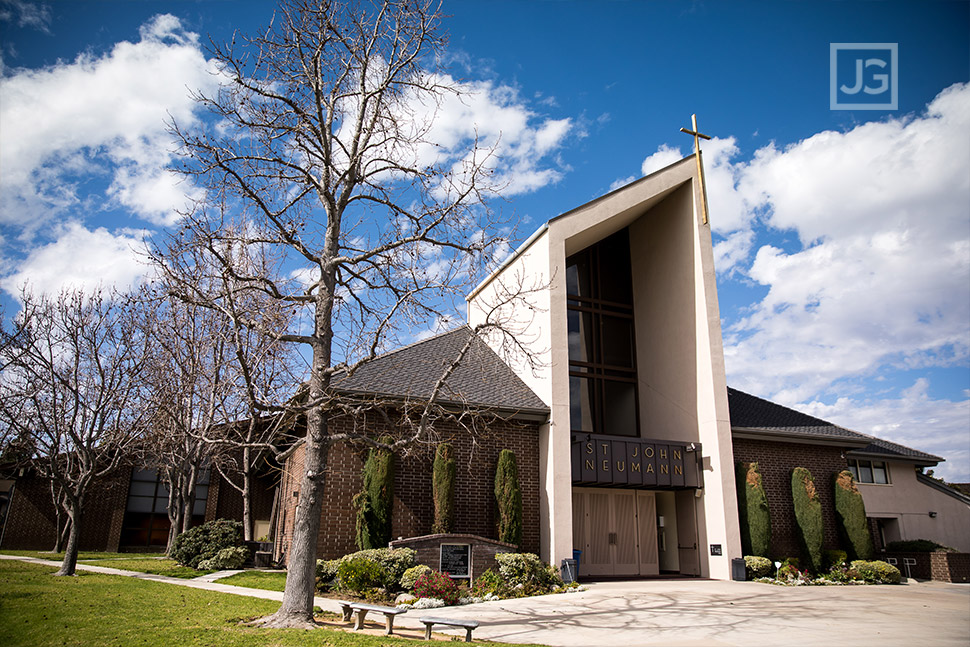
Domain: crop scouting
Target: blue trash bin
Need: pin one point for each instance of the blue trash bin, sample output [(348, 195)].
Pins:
[(576, 556)]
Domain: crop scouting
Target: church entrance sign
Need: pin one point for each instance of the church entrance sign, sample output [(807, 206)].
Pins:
[(641, 463)]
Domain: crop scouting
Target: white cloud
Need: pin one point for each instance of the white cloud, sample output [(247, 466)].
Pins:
[(883, 275), (915, 420), (26, 14), (99, 116), (80, 258), (665, 156)]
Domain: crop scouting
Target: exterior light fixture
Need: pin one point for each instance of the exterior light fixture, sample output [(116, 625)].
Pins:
[(932, 514)]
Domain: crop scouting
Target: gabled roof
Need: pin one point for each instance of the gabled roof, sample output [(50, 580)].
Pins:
[(754, 416), (482, 379)]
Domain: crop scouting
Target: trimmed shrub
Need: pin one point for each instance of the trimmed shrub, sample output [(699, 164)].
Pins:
[(490, 583), (443, 489), (226, 559), (834, 558), (876, 572), (917, 546), (374, 504), (753, 511), (756, 566), (205, 541), (508, 496), (808, 516), (437, 585), (526, 569), (850, 511), (410, 577), (327, 573), (359, 574)]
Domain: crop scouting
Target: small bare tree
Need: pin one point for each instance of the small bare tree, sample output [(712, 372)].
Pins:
[(72, 388), (319, 148)]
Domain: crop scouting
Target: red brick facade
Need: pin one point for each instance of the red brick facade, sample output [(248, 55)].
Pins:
[(30, 518), (775, 462), (475, 458)]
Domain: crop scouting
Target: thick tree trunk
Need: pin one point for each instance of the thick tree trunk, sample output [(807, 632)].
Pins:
[(188, 498), (61, 531), (69, 565)]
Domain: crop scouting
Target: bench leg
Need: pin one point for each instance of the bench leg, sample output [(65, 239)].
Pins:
[(347, 613), (468, 634), (427, 632), (361, 614), (389, 624)]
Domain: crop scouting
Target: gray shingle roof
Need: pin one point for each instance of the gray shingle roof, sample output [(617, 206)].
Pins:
[(751, 413), (481, 379)]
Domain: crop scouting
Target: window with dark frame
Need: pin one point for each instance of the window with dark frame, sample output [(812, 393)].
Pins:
[(863, 471), (146, 521), (602, 354)]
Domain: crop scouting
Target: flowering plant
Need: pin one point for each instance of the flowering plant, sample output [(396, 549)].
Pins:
[(433, 584)]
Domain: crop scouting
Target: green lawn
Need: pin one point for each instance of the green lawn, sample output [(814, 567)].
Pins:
[(39, 610), (154, 563), (257, 580), (87, 556)]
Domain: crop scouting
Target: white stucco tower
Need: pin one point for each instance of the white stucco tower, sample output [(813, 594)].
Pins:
[(636, 459)]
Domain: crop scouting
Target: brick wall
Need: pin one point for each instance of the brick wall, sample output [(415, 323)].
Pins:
[(776, 460), (30, 520), (413, 511), (483, 551), (950, 567)]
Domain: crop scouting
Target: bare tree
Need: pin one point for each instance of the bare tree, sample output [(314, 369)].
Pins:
[(72, 387), (319, 147)]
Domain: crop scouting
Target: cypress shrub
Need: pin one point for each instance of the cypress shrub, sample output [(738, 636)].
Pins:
[(508, 496), (753, 511), (850, 511), (808, 516), (443, 489), (375, 503)]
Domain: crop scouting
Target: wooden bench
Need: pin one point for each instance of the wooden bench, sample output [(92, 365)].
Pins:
[(467, 625), (361, 609)]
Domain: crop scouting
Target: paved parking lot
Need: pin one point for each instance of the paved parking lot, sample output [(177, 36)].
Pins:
[(745, 614)]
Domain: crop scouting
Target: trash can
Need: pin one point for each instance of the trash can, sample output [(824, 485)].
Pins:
[(569, 570), (576, 555), (737, 570)]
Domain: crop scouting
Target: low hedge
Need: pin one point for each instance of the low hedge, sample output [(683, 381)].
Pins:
[(917, 546), (757, 566), (391, 564), (205, 541), (876, 572)]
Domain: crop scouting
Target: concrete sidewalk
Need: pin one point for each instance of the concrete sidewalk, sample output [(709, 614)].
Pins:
[(680, 613)]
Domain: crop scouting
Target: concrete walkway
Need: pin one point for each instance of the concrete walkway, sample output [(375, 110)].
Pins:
[(681, 613)]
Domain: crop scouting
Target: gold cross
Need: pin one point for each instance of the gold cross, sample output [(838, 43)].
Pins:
[(700, 167)]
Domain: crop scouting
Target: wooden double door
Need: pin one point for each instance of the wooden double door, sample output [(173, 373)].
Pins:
[(617, 532)]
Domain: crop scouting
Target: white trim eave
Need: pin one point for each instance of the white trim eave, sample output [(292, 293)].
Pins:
[(514, 255)]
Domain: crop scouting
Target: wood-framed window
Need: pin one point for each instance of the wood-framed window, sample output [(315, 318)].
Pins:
[(864, 471), (602, 352)]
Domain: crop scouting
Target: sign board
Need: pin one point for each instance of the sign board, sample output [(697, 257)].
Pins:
[(638, 463), (716, 549), (456, 560)]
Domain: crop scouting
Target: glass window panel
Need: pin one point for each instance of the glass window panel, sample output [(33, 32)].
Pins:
[(617, 341), (159, 537), (580, 330), (201, 492), (163, 490), (572, 279), (619, 408), (203, 477), (160, 505), (880, 473), (855, 470), (199, 508), (144, 475), (142, 488), (140, 504), (614, 268), (580, 404), (865, 472)]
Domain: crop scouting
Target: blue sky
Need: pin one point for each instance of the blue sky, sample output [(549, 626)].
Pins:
[(842, 237)]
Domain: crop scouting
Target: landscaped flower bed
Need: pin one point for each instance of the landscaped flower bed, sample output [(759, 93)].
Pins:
[(841, 573)]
